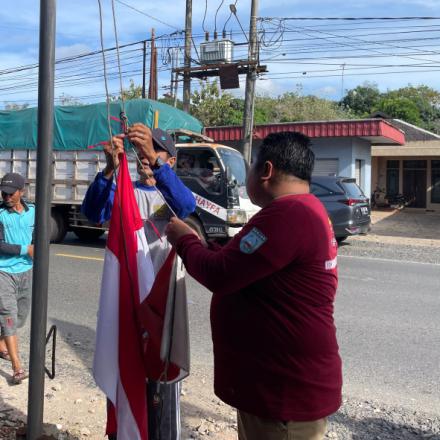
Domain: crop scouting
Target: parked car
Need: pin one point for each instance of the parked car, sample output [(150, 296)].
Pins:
[(346, 204)]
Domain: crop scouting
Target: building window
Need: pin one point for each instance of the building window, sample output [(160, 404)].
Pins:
[(435, 181), (392, 177)]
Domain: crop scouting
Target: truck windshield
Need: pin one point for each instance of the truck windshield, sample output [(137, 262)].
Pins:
[(236, 168), (235, 165)]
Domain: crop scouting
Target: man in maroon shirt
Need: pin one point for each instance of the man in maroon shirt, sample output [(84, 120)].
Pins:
[(275, 351)]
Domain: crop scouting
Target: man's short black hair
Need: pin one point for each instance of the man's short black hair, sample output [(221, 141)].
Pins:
[(289, 152)]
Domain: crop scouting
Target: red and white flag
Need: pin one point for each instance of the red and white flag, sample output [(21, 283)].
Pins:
[(127, 278), (141, 320)]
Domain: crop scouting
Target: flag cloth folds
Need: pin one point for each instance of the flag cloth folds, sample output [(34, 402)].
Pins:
[(127, 279)]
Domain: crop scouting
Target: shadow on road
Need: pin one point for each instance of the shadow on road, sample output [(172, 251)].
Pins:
[(376, 427), (80, 338), (72, 240)]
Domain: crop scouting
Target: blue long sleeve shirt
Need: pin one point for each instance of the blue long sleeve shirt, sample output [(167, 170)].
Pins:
[(98, 202), (16, 234)]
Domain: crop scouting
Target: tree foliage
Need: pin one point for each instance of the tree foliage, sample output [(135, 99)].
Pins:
[(15, 106), (416, 105), (213, 107), (361, 100)]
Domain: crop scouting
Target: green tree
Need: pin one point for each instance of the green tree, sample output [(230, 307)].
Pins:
[(215, 108), (401, 108), (362, 100), (133, 91), (427, 101), (69, 100), (292, 107), (15, 106)]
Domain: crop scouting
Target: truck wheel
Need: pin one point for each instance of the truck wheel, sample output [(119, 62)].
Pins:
[(197, 226), (88, 234), (58, 228)]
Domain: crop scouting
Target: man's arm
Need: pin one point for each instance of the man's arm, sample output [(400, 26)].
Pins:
[(13, 249), (179, 197), (98, 202), (264, 246)]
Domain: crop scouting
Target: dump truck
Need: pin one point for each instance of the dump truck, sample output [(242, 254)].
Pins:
[(215, 173)]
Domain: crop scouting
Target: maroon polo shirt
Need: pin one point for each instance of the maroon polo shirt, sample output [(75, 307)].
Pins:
[(275, 349)]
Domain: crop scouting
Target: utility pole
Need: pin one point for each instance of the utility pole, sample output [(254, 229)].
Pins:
[(152, 89), (144, 65), (251, 77), (46, 76), (187, 61), (176, 78)]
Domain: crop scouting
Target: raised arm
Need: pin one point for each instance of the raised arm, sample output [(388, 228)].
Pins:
[(98, 201)]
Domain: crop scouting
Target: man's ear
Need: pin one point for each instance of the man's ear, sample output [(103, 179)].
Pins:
[(268, 171), (171, 161)]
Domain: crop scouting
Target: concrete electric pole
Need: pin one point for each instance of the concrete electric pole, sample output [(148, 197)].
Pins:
[(251, 77), (187, 61)]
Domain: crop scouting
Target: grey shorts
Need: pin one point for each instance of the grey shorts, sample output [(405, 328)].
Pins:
[(15, 298)]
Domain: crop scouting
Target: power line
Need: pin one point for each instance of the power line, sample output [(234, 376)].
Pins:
[(148, 15), (346, 18)]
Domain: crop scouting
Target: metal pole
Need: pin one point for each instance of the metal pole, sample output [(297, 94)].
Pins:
[(187, 61), (42, 221), (176, 78), (251, 77), (144, 62)]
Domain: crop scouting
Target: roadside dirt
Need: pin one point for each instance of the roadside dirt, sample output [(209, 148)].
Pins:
[(75, 409), (406, 227)]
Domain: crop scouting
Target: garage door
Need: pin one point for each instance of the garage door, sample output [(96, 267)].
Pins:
[(326, 167)]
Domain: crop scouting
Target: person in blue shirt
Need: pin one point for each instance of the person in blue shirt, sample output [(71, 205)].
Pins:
[(17, 219), (160, 195)]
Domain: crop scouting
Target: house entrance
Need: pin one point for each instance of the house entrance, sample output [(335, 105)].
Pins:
[(414, 182)]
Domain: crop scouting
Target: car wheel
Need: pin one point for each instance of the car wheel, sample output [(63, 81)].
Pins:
[(341, 239)]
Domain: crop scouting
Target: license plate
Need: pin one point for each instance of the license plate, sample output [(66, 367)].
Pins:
[(364, 210)]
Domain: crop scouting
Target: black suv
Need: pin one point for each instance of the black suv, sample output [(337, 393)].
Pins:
[(346, 204)]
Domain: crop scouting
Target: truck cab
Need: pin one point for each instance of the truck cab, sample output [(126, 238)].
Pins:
[(216, 174)]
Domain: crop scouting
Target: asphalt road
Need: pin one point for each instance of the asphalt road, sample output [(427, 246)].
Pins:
[(387, 315)]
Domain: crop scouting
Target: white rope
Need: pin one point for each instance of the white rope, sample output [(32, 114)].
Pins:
[(118, 56), (121, 91)]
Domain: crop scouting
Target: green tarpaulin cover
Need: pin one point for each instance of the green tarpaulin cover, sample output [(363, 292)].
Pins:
[(83, 127)]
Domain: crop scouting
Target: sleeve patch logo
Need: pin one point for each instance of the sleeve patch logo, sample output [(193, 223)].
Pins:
[(252, 241)]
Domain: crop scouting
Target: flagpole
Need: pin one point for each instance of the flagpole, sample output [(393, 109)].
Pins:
[(42, 218)]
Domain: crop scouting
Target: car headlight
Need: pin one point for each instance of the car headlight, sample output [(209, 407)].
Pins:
[(236, 216)]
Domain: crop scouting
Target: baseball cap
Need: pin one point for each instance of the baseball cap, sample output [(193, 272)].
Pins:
[(161, 139), (11, 182)]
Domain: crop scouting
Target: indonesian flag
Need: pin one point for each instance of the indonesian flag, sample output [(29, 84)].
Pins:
[(139, 330)]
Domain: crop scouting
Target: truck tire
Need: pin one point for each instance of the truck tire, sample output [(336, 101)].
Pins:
[(58, 227), (88, 234), (195, 224)]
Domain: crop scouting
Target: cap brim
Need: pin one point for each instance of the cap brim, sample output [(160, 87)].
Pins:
[(8, 189), (158, 144)]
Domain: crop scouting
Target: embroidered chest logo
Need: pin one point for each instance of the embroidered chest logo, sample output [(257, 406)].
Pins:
[(252, 241)]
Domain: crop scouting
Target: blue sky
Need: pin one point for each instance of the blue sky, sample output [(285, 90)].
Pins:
[(324, 58)]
